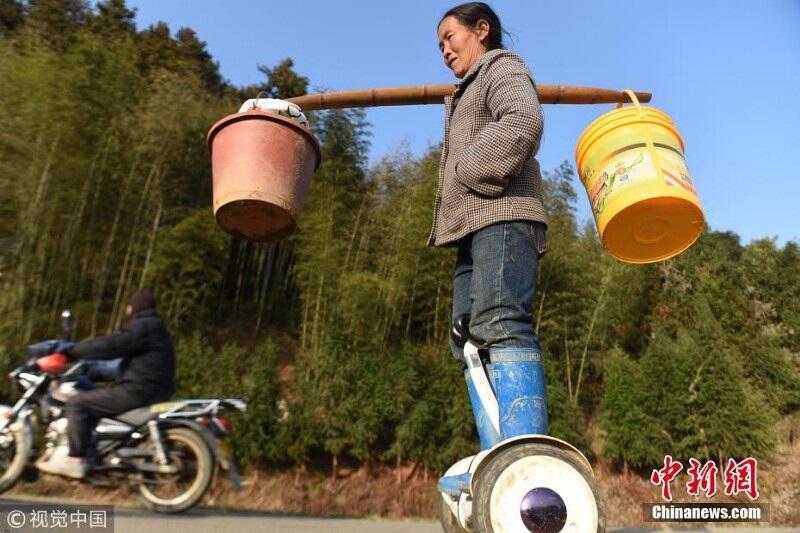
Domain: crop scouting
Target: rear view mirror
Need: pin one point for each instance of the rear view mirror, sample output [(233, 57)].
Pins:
[(66, 323)]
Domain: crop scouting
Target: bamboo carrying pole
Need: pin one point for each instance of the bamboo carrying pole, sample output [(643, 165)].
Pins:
[(434, 94), (259, 187)]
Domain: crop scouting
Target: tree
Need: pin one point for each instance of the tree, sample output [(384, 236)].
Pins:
[(10, 16), (255, 438), (631, 431), (113, 19), (188, 265), (282, 80), (186, 55), (193, 51), (56, 23)]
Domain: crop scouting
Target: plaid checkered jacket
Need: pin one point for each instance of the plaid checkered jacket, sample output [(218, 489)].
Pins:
[(492, 130)]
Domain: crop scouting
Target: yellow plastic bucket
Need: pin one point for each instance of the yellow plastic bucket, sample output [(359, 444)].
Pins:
[(631, 163)]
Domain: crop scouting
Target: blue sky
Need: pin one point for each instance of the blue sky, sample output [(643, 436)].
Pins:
[(726, 71)]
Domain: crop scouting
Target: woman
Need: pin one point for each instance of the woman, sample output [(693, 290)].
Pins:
[(489, 205)]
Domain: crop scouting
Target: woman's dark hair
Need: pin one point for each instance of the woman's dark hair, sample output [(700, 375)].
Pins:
[(470, 13)]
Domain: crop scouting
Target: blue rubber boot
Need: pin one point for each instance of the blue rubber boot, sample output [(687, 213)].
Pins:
[(521, 391)]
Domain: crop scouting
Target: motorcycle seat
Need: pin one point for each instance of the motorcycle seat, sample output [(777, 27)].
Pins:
[(138, 416)]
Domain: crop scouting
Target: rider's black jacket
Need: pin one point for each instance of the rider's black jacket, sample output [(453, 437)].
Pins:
[(148, 366)]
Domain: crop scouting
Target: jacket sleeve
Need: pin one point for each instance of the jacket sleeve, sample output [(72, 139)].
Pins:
[(500, 150), (124, 342)]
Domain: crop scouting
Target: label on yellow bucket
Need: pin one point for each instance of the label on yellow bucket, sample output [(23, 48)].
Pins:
[(618, 172), (633, 165)]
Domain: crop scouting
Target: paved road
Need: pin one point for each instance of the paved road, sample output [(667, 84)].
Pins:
[(205, 520), (134, 521)]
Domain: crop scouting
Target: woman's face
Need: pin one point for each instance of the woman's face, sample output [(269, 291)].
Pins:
[(461, 45)]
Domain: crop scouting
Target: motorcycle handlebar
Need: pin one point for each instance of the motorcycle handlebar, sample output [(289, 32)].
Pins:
[(74, 368)]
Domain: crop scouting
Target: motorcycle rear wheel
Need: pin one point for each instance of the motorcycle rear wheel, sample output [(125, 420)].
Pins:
[(175, 493)]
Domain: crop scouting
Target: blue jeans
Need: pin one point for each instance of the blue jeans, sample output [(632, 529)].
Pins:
[(495, 281)]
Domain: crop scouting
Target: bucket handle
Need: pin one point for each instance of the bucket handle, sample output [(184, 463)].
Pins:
[(255, 100), (651, 147), (634, 101)]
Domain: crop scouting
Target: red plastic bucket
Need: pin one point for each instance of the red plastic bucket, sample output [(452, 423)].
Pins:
[(261, 165)]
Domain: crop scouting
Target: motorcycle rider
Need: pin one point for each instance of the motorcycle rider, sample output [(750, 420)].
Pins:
[(146, 376)]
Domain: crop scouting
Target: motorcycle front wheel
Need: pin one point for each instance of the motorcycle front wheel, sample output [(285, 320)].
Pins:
[(15, 446), (175, 493)]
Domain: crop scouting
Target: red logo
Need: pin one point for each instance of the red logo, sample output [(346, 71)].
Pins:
[(739, 477), (703, 478), (665, 476)]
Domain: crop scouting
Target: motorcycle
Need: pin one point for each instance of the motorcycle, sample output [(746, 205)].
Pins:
[(165, 452)]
